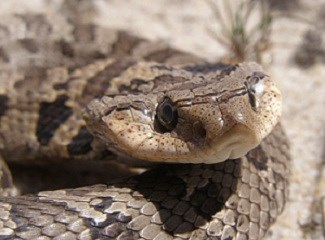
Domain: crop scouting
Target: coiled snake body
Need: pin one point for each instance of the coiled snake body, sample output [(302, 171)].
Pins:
[(142, 101)]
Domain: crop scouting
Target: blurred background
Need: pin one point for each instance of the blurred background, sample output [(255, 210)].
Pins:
[(285, 36)]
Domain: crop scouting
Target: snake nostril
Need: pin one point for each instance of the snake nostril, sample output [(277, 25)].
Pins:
[(199, 131)]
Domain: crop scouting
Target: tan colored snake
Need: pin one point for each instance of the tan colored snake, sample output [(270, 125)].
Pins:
[(142, 101)]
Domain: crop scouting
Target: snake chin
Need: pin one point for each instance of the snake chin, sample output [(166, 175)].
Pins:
[(233, 144)]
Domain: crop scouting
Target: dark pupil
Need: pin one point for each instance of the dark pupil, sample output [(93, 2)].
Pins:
[(167, 114)]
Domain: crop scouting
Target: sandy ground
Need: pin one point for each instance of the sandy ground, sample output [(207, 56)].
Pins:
[(295, 58)]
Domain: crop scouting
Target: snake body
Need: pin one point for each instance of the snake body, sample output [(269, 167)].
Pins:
[(81, 102)]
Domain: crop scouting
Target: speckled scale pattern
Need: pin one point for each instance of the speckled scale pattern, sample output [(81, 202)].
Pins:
[(236, 199)]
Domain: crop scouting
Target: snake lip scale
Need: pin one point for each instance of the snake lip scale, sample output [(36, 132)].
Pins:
[(221, 157)]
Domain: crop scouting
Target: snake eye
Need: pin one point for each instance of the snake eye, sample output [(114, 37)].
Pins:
[(167, 116)]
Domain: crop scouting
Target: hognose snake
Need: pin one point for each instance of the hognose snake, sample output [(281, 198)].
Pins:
[(153, 103)]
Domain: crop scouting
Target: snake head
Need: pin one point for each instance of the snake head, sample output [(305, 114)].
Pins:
[(205, 118)]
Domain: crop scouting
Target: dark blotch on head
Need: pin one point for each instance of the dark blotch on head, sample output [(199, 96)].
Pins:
[(52, 115), (98, 84), (136, 86), (81, 144)]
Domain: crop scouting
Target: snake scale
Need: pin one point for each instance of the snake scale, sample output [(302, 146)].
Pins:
[(103, 91)]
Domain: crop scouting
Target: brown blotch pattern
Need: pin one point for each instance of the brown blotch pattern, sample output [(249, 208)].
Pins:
[(80, 144), (51, 116), (97, 85)]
